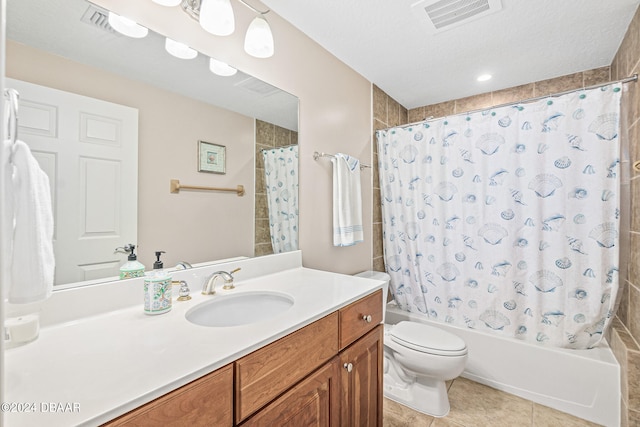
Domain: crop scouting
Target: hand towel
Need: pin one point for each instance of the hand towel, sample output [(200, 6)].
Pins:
[(32, 260), (347, 201)]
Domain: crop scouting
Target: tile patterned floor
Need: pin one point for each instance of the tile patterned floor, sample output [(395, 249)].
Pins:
[(477, 405)]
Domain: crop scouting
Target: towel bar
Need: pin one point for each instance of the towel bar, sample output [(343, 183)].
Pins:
[(317, 155), (176, 187)]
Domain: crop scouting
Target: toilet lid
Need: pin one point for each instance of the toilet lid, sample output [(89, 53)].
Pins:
[(427, 339)]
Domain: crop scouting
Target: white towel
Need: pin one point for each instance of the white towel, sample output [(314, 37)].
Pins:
[(32, 261), (347, 201)]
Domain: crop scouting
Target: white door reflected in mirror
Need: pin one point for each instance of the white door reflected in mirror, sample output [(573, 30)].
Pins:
[(89, 150)]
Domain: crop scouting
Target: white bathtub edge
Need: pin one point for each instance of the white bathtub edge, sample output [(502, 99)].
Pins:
[(583, 383)]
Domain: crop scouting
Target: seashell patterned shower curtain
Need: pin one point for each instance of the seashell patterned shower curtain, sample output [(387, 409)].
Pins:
[(281, 186), (506, 220)]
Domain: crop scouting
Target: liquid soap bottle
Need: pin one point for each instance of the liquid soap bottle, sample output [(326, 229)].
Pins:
[(157, 289), (132, 268)]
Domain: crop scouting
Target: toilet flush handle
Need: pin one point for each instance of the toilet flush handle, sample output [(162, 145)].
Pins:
[(348, 367), (366, 318)]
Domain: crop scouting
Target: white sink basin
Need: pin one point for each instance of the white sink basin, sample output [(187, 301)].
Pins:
[(239, 309)]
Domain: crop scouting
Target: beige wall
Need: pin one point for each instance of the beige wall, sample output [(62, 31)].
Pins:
[(335, 115), (190, 226)]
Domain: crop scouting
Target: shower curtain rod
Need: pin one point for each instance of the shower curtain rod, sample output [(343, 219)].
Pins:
[(275, 148), (633, 78)]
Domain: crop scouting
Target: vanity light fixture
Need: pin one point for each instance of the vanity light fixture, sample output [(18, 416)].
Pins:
[(221, 68), (179, 50), (484, 77), (126, 26), (258, 41), (216, 17)]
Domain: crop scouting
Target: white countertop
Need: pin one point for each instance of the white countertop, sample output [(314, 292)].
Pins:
[(103, 366)]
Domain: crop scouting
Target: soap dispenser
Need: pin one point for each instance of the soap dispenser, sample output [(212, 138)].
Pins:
[(157, 289), (132, 268)]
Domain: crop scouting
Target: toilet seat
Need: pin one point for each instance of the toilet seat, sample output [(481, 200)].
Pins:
[(427, 339)]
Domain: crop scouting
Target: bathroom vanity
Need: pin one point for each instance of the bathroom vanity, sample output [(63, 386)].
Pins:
[(319, 362), (327, 373)]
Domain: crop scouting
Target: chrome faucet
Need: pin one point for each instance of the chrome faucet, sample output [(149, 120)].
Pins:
[(209, 287)]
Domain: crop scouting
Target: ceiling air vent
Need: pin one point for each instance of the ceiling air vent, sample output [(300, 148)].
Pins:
[(256, 86), (97, 17), (441, 15)]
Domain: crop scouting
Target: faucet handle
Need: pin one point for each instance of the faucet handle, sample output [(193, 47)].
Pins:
[(184, 291), (228, 283)]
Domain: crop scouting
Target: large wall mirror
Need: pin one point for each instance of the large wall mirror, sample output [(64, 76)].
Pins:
[(175, 105)]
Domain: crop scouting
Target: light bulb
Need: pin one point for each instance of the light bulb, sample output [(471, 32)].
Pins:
[(126, 26), (168, 3), (179, 50), (221, 68), (259, 41), (216, 17)]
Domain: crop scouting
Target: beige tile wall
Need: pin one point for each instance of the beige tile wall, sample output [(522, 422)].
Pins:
[(267, 136), (625, 334), (518, 93), (387, 113), (626, 331)]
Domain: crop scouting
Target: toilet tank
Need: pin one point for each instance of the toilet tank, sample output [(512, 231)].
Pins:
[(378, 275)]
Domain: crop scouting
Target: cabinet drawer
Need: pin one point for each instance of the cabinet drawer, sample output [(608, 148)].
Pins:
[(354, 320), (204, 402), (314, 402), (264, 374)]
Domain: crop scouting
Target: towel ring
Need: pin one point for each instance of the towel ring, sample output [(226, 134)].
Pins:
[(13, 96)]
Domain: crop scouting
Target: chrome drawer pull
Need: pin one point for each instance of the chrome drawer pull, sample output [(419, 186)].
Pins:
[(348, 367), (366, 318)]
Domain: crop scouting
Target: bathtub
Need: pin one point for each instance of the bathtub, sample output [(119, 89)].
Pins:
[(584, 383)]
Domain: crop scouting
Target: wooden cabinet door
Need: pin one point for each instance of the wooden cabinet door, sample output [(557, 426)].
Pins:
[(207, 401), (361, 367), (268, 372), (314, 402)]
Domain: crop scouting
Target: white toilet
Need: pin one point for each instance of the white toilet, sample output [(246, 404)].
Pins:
[(418, 359)]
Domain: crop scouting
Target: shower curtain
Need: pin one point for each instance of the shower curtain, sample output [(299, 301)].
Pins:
[(281, 179), (506, 220)]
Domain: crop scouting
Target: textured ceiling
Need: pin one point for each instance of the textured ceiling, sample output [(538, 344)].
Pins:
[(526, 41)]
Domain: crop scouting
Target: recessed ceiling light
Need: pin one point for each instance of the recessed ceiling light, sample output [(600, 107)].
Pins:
[(484, 77)]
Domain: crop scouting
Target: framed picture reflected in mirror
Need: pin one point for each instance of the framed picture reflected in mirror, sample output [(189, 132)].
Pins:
[(212, 157)]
